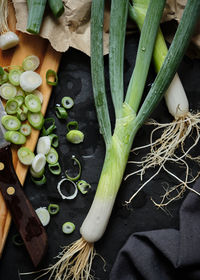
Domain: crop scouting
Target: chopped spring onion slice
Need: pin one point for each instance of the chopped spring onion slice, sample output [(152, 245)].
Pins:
[(83, 186), (38, 94), (61, 112), (75, 136), (11, 106), (36, 174), (33, 103), (17, 240), (52, 156), (55, 168), (49, 75), (48, 127), (25, 155), (8, 40), (14, 76), (38, 163), (20, 92), (70, 196), (30, 80), (8, 91), (10, 122), (67, 102), (72, 125), (68, 227), (44, 145), (43, 215), (4, 78), (31, 62), (21, 115), (19, 99), (54, 140), (76, 162), (39, 181), (25, 129), (15, 137), (36, 120), (53, 209)]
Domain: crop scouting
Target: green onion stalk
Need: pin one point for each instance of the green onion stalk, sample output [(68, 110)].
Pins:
[(174, 134), (76, 260)]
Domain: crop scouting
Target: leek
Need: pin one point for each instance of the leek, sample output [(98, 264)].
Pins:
[(175, 133), (76, 260)]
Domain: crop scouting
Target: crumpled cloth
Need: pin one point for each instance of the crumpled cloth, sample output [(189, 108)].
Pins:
[(165, 254)]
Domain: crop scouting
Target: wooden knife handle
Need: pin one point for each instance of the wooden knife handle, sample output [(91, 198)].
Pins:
[(22, 212)]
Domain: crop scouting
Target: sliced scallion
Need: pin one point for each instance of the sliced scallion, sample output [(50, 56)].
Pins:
[(53, 209), (19, 99), (72, 125), (43, 215), (55, 168), (83, 186), (37, 174), (54, 140), (52, 156), (35, 15), (36, 120), (7, 91), (38, 163), (56, 7), (20, 92), (68, 227), (15, 137), (10, 122), (30, 80), (14, 76), (25, 129), (75, 136), (69, 196), (61, 112), (43, 145), (11, 106), (25, 155), (33, 103), (67, 102), (51, 77), (39, 181), (76, 162), (31, 62), (48, 127)]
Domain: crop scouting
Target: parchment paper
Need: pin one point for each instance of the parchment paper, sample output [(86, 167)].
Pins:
[(72, 29)]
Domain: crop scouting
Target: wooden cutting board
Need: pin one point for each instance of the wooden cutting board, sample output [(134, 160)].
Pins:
[(49, 59)]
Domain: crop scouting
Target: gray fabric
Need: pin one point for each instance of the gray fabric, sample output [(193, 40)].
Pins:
[(165, 254)]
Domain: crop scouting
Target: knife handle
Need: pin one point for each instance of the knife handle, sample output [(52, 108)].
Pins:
[(22, 212)]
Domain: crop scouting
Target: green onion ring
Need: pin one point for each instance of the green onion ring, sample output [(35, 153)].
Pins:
[(83, 186), (55, 168), (17, 240), (61, 112), (54, 140), (72, 125), (50, 128), (53, 209), (76, 161), (51, 73), (39, 182)]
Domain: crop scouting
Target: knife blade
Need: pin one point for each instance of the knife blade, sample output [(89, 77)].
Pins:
[(22, 212)]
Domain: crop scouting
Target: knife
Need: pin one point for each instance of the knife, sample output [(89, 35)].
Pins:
[(24, 216)]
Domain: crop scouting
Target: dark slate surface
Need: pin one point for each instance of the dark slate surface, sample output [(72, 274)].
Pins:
[(75, 81)]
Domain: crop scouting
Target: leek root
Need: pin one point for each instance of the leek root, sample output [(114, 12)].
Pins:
[(174, 135)]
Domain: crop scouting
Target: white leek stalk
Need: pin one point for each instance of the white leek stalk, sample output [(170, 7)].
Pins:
[(8, 39)]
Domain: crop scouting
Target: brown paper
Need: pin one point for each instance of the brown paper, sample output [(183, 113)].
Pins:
[(72, 29)]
